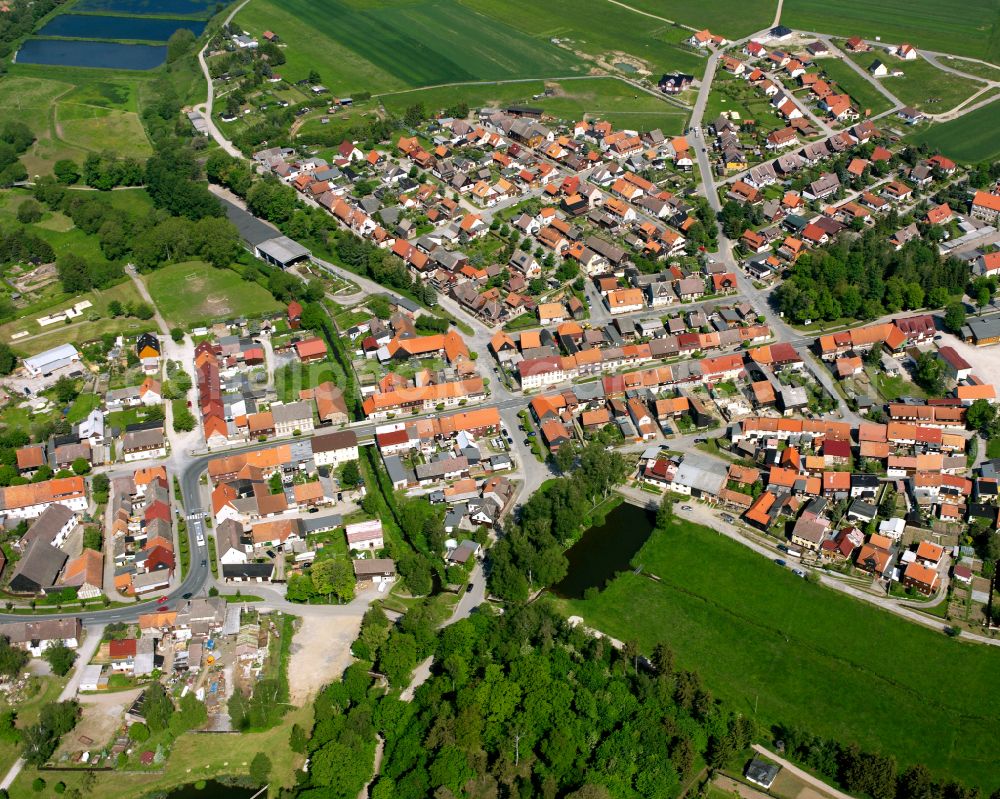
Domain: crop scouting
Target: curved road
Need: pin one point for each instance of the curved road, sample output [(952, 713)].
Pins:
[(198, 574), (205, 109)]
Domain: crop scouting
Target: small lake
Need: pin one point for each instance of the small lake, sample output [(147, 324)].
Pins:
[(193, 8), (103, 55), (90, 26), (606, 550), (624, 67), (213, 790)]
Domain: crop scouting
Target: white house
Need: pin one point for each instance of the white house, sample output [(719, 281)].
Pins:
[(37, 636), (45, 363), (334, 449), (362, 536)]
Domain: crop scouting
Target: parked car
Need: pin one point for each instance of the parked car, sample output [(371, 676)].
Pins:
[(780, 562), (799, 573), (469, 587), (686, 507)]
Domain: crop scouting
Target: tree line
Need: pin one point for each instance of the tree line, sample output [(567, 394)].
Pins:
[(270, 199), (870, 774)]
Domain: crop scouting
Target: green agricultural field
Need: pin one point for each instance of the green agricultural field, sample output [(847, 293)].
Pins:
[(599, 28), (731, 18), (194, 292), (970, 138), (922, 85), (860, 89), (768, 642), (395, 45), (971, 30)]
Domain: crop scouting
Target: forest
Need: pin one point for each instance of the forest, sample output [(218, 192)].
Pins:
[(864, 277), (524, 705)]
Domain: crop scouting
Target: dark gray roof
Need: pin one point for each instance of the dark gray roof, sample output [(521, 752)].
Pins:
[(252, 230), (38, 569), (47, 526)]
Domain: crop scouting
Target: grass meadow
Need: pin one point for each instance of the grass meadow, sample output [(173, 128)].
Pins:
[(194, 292), (81, 330), (73, 112), (970, 30), (605, 98), (768, 642), (922, 84), (861, 91)]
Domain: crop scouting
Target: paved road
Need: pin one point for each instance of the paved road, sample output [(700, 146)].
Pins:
[(205, 109), (467, 602)]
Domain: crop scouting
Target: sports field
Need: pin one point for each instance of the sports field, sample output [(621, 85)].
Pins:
[(395, 45), (194, 292), (970, 138), (969, 28), (860, 89), (766, 641)]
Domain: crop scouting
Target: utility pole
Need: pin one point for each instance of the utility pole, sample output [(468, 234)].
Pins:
[(517, 748)]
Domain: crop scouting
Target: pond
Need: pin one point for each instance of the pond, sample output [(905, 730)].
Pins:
[(626, 67), (91, 26), (606, 550), (105, 55), (193, 8), (213, 789)]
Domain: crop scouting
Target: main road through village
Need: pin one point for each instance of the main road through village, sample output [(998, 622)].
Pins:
[(189, 464)]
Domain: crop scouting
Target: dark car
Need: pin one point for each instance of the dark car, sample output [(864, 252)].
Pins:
[(780, 562), (188, 595), (469, 587), (782, 548), (204, 562)]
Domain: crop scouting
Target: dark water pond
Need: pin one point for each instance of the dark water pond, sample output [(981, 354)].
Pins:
[(89, 26), (605, 550), (106, 55), (212, 790), (201, 8)]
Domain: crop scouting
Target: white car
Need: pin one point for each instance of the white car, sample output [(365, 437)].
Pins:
[(201, 540)]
